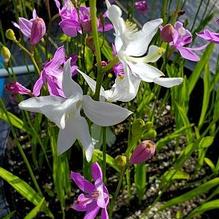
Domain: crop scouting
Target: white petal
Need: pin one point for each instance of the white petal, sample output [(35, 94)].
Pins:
[(124, 89), (140, 40), (168, 82), (102, 113), (91, 83), (47, 105), (146, 72), (154, 53), (76, 128), (69, 86)]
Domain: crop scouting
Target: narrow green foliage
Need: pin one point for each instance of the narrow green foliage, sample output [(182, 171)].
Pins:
[(206, 96), (203, 188), (207, 206), (9, 215), (33, 213), (174, 175), (140, 180), (14, 120), (89, 59), (98, 156), (23, 188), (199, 67)]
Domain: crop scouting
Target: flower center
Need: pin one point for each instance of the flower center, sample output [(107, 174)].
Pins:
[(95, 195)]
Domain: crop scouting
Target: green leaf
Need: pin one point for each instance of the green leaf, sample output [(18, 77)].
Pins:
[(20, 186), (140, 180), (199, 67), (98, 156), (185, 120), (206, 96), (33, 213), (89, 58), (207, 206), (175, 174), (9, 215), (13, 120), (168, 138), (209, 163), (206, 142), (105, 48), (203, 188), (216, 107)]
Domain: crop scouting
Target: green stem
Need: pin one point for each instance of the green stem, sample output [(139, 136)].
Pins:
[(117, 191), (104, 154), (30, 54), (111, 64), (21, 151), (100, 75)]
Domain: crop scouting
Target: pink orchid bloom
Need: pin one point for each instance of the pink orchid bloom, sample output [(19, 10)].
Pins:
[(178, 37), (75, 21), (95, 196), (52, 74), (33, 29), (209, 36)]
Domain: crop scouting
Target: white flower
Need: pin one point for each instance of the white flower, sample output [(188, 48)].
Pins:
[(65, 113), (131, 45)]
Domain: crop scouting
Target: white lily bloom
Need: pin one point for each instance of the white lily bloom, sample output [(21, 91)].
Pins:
[(65, 113), (131, 45)]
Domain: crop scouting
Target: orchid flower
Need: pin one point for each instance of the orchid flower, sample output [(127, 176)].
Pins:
[(131, 45), (178, 37), (209, 36), (75, 21), (65, 113), (95, 196), (141, 6), (33, 29), (52, 74)]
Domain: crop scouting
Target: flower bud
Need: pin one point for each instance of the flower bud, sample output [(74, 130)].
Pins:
[(141, 6), (10, 35), (151, 133), (6, 54), (17, 88), (38, 30), (143, 152), (148, 125), (166, 33), (121, 161)]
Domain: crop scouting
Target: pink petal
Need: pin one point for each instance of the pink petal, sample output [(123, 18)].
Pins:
[(70, 27), (92, 213), (25, 26), (96, 171), (188, 54), (104, 214), (38, 85), (82, 183)]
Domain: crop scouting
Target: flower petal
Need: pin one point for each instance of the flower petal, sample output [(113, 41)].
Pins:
[(69, 86), (25, 26), (92, 213), (146, 72), (139, 41), (168, 82), (83, 184), (58, 58), (50, 106), (102, 113), (124, 89), (187, 53), (82, 203), (154, 53), (76, 128), (91, 83), (104, 214), (96, 171), (38, 85)]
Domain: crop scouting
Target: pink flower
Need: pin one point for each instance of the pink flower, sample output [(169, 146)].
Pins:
[(141, 6), (33, 29), (17, 88), (209, 36), (178, 37), (52, 74), (95, 196), (74, 21), (143, 152)]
